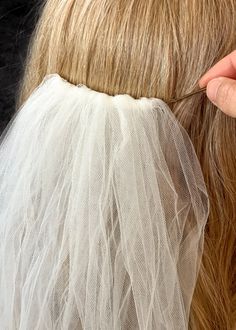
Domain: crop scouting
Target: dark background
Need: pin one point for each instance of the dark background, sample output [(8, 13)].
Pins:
[(17, 21)]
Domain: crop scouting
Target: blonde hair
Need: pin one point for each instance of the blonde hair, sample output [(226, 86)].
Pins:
[(158, 49)]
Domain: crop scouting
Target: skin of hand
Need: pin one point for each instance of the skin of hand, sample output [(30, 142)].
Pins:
[(221, 84)]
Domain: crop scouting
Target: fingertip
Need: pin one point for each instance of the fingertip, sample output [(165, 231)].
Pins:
[(212, 89), (202, 82), (221, 92)]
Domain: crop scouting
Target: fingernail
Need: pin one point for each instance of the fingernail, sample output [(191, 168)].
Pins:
[(201, 82), (213, 87)]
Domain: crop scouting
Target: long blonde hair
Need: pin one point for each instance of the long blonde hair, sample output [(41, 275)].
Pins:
[(158, 49)]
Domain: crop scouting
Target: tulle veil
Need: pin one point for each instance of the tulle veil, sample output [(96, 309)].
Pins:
[(103, 206)]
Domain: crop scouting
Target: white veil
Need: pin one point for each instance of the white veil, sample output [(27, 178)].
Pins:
[(102, 213)]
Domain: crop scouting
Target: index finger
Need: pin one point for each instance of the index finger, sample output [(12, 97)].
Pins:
[(226, 67)]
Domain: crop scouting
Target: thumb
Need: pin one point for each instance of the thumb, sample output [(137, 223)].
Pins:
[(222, 92)]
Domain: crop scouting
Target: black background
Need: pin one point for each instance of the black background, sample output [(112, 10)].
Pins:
[(17, 21)]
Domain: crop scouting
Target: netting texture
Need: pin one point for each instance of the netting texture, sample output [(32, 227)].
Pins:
[(103, 206)]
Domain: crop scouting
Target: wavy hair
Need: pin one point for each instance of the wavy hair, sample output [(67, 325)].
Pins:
[(158, 48)]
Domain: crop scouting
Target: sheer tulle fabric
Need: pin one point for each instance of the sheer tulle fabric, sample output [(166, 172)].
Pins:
[(103, 208)]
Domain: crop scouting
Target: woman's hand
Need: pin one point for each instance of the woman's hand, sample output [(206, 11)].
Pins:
[(221, 84)]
